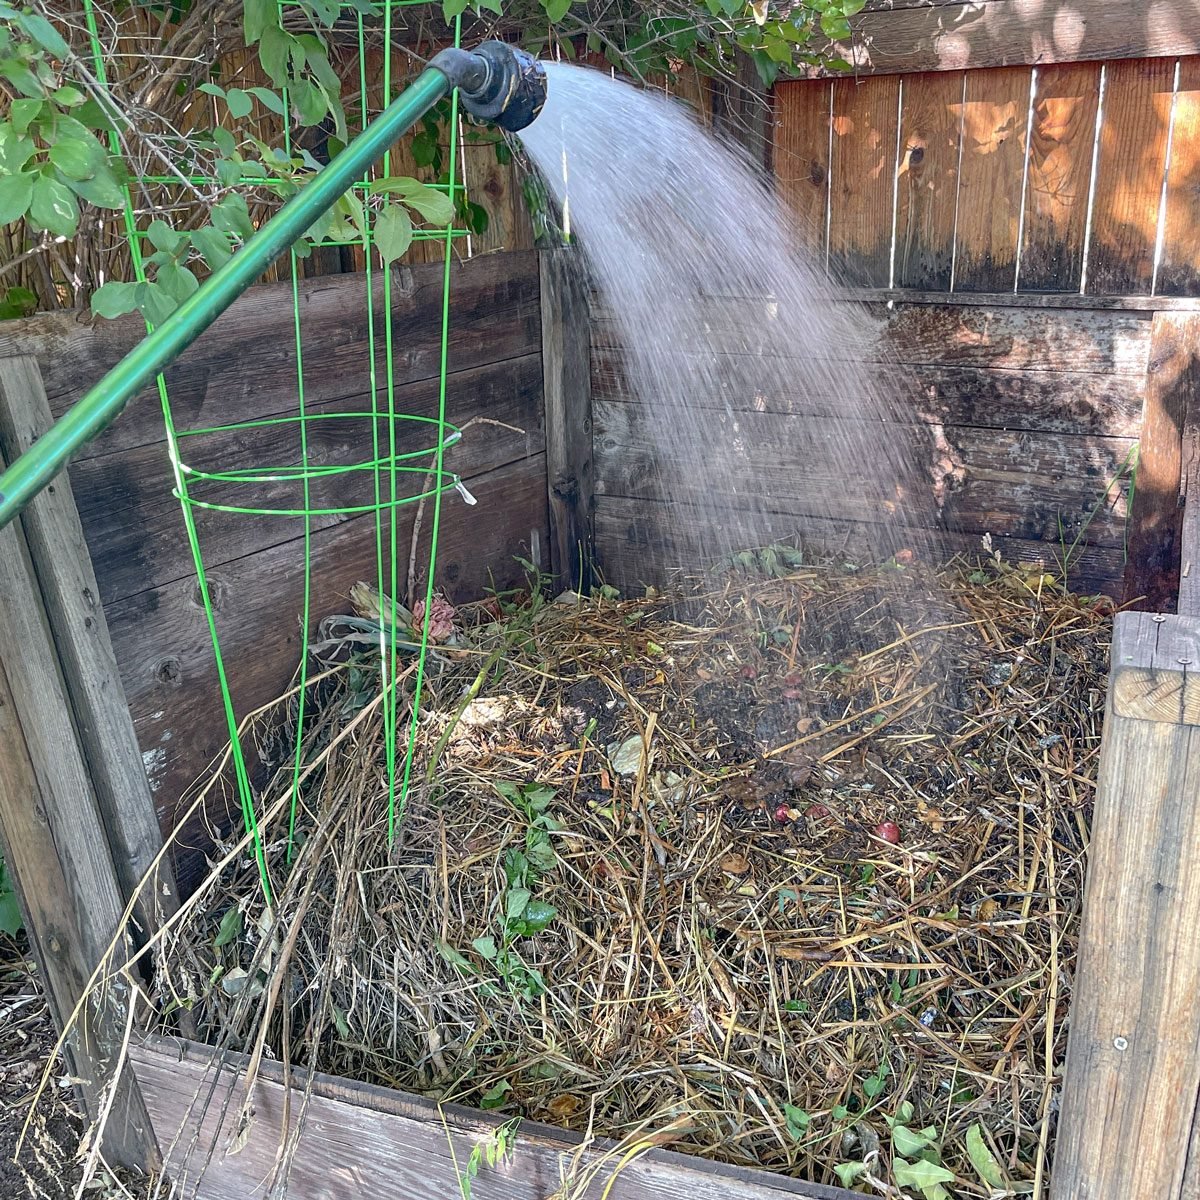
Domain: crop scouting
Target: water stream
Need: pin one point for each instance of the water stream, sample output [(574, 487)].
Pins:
[(741, 402)]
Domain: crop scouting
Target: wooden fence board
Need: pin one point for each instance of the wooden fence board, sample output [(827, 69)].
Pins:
[(1061, 146), (997, 33), (801, 158), (134, 524), (162, 642), (862, 180), (995, 121), (496, 188), (1134, 125), (642, 541), (1179, 268), (931, 123), (377, 1144), (246, 362)]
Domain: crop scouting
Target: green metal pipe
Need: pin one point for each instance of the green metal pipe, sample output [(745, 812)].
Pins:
[(100, 406)]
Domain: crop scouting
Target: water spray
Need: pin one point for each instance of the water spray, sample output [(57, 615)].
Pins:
[(497, 83)]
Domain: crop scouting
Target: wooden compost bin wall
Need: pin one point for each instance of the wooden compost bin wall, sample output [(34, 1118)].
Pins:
[(1002, 225), (243, 369)]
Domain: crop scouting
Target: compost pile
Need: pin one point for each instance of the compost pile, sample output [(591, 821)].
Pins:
[(787, 862)]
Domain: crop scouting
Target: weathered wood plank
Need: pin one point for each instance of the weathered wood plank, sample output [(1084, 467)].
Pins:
[(1189, 550), (931, 128), (496, 188), (63, 568), (1058, 187), (1156, 523), (384, 1145), (994, 139), (1134, 126), (1179, 267), (1133, 1057), (162, 642), (566, 362), (862, 180), (246, 362), (1151, 680), (801, 159), (642, 542), (56, 848), (1040, 401), (134, 526), (999, 33), (1029, 300), (1034, 486)]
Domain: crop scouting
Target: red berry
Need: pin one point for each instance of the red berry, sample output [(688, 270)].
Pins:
[(749, 672), (888, 831), (783, 814), (793, 693), (816, 812)]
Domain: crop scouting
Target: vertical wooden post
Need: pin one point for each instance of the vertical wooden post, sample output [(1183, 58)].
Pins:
[(1155, 524), (55, 839), (566, 369), (1128, 1129), (71, 596)]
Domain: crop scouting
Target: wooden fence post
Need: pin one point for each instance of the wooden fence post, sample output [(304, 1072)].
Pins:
[(1128, 1129), (566, 369), (56, 842)]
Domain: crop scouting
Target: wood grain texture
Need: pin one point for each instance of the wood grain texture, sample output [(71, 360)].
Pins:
[(57, 851), (1133, 1057), (1189, 551), (246, 363), (1029, 300), (862, 180), (1179, 267), (994, 138), (377, 1144), (641, 542), (162, 643), (496, 188), (998, 33), (1156, 523), (566, 367), (1156, 672), (134, 525), (801, 158), (931, 126), (71, 596), (1134, 125), (1058, 187)]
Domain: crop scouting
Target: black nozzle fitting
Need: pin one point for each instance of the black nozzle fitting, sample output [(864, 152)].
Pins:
[(496, 83)]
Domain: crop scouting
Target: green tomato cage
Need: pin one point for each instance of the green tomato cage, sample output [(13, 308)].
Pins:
[(305, 489)]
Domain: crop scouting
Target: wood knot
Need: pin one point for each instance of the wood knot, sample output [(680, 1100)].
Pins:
[(169, 672)]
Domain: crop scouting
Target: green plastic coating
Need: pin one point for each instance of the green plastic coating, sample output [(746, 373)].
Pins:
[(100, 406)]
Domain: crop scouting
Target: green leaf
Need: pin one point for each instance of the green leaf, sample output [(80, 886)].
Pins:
[(92, 115), (986, 1165), (798, 1121), (239, 103), (485, 947), (453, 8), (424, 148), (44, 34), (54, 207), (259, 16), (455, 959), (10, 912), (851, 8), (908, 1143), (69, 97), (308, 102), (212, 89), (16, 191), (922, 1174), (76, 158), (540, 850), (556, 9), (178, 281), (103, 191), (232, 922), (154, 303), (537, 916), (516, 902), (494, 1096), (340, 1022), (24, 113), (21, 77), (213, 245), (113, 300), (17, 302), (393, 232), (15, 151), (436, 207), (273, 53), (268, 99), (232, 216), (848, 1172), (163, 237), (834, 26)]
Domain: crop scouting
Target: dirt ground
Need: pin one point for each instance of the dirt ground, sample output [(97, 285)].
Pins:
[(41, 1161)]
